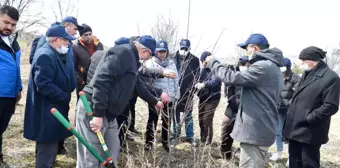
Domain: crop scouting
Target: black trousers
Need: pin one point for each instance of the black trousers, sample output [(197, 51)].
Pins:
[(122, 121), (132, 105), (226, 139), (7, 108), (46, 154), (206, 113), (302, 155), (166, 113)]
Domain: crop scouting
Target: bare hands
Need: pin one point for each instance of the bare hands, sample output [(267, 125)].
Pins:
[(159, 106), (165, 98), (19, 95), (96, 124), (169, 73)]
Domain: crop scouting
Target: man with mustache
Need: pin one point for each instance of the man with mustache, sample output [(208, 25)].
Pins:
[(10, 83)]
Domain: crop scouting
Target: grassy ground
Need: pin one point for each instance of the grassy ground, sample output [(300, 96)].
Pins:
[(19, 152)]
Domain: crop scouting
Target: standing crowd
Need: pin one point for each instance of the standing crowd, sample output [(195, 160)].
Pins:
[(267, 101)]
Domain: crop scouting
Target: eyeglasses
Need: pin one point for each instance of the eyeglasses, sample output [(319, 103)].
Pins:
[(63, 39)]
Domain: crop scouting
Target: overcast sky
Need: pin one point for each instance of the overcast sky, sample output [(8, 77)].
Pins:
[(290, 25)]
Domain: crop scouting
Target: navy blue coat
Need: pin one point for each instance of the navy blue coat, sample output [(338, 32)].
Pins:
[(212, 89), (50, 86)]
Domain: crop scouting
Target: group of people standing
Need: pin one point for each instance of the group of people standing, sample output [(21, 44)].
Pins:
[(267, 102)]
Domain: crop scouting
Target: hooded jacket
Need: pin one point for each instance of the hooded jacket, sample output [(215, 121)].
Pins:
[(257, 117)]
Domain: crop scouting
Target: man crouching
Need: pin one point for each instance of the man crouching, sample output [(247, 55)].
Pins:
[(109, 92)]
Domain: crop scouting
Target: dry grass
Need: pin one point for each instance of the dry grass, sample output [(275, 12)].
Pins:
[(19, 152)]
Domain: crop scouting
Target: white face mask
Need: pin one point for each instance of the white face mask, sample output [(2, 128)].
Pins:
[(243, 68), (283, 69), (305, 67), (183, 52), (62, 49)]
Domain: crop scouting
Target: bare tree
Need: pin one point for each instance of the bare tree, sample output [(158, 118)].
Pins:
[(29, 18), (333, 60), (296, 69), (166, 29), (63, 8)]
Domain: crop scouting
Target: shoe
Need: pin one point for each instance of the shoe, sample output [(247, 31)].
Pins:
[(276, 156), (148, 147), (189, 140), (133, 130), (62, 150), (173, 137), (166, 147), (203, 140), (226, 155), (129, 137)]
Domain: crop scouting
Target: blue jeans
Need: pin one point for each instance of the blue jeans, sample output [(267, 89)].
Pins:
[(279, 138), (189, 124)]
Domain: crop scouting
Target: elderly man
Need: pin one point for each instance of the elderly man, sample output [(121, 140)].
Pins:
[(308, 119), (10, 83), (71, 26), (83, 49), (109, 92), (256, 121), (51, 83)]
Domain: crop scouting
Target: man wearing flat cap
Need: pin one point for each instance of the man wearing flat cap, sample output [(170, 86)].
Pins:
[(83, 49), (309, 115), (50, 85)]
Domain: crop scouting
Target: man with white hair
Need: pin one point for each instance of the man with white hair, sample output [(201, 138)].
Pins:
[(109, 92), (50, 85)]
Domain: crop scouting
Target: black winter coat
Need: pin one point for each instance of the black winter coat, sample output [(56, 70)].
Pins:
[(314, 102), (81, 60), (189, 72), (291, 83)]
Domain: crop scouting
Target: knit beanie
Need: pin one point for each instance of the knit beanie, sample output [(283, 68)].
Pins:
[(86, 28), (312, 53)]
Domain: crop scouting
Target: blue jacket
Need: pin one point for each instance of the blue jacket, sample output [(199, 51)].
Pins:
[(50, 85), (10, 83), (212, 89)]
